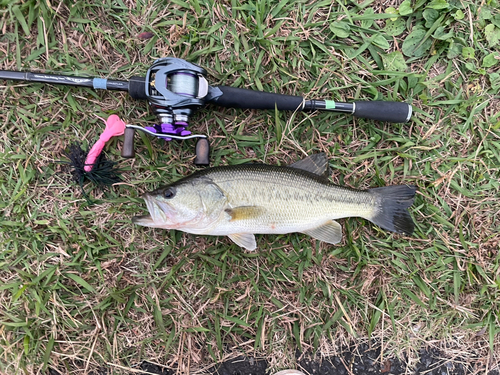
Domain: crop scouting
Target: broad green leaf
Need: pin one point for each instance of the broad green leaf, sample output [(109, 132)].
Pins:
[(491, 59), (415, 45), (454, 50), (468, 52), (379, 41), (395, 28), (430, 16), (496, 20), (405, 8), (485, 14), (492, 34), (459, 15), (392, 10), (438, 4), (394, 61), (470, 66), (340, 29), (495, 82)]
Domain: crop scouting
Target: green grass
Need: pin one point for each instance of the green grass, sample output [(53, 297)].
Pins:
[(81, 287)]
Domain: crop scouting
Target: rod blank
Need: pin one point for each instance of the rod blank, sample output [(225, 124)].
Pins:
[(57, 79)]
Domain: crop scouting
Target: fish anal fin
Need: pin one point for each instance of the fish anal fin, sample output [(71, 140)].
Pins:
[(315, 163), (245, 212), (330, 232), (244, 240)]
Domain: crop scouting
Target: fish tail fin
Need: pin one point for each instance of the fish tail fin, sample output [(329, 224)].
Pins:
[(393, 214)]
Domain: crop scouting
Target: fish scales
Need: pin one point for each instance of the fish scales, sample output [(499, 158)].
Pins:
[(239, 201), (292, 198)]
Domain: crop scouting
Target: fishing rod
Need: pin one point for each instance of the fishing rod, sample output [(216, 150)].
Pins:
[(175, 89)]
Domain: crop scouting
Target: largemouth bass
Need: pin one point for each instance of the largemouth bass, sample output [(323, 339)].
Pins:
[(242, 200)]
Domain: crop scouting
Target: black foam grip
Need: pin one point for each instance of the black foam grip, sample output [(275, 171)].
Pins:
[(233, 97), (137, 87), (397, 112)]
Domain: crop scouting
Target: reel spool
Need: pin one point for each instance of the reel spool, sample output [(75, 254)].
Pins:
[(175, 89)]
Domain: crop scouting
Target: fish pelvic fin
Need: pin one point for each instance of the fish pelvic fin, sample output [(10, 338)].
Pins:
[(330, 232), (244, 240), (393, 212)]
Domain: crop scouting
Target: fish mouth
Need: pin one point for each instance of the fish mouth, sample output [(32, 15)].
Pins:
[(159, 214)]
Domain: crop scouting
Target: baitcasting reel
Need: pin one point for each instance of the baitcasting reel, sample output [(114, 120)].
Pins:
[(175, 89)]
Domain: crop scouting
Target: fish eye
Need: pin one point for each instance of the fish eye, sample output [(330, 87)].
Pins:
[(169, 193)]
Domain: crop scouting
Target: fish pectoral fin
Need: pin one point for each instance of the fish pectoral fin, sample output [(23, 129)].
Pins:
[(330, 232), (244, 212), (316, 163), (245, 240)]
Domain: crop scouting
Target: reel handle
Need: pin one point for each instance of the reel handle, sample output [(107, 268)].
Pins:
[(202, 152), (202, 146), (128, 150)]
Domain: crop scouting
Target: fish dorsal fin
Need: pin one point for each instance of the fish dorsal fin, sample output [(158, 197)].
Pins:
[(315, 163), (244, 240), (245, 212), (330, 232)]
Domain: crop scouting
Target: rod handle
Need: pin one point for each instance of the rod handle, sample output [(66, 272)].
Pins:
[(128, 150), (396, 112)]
